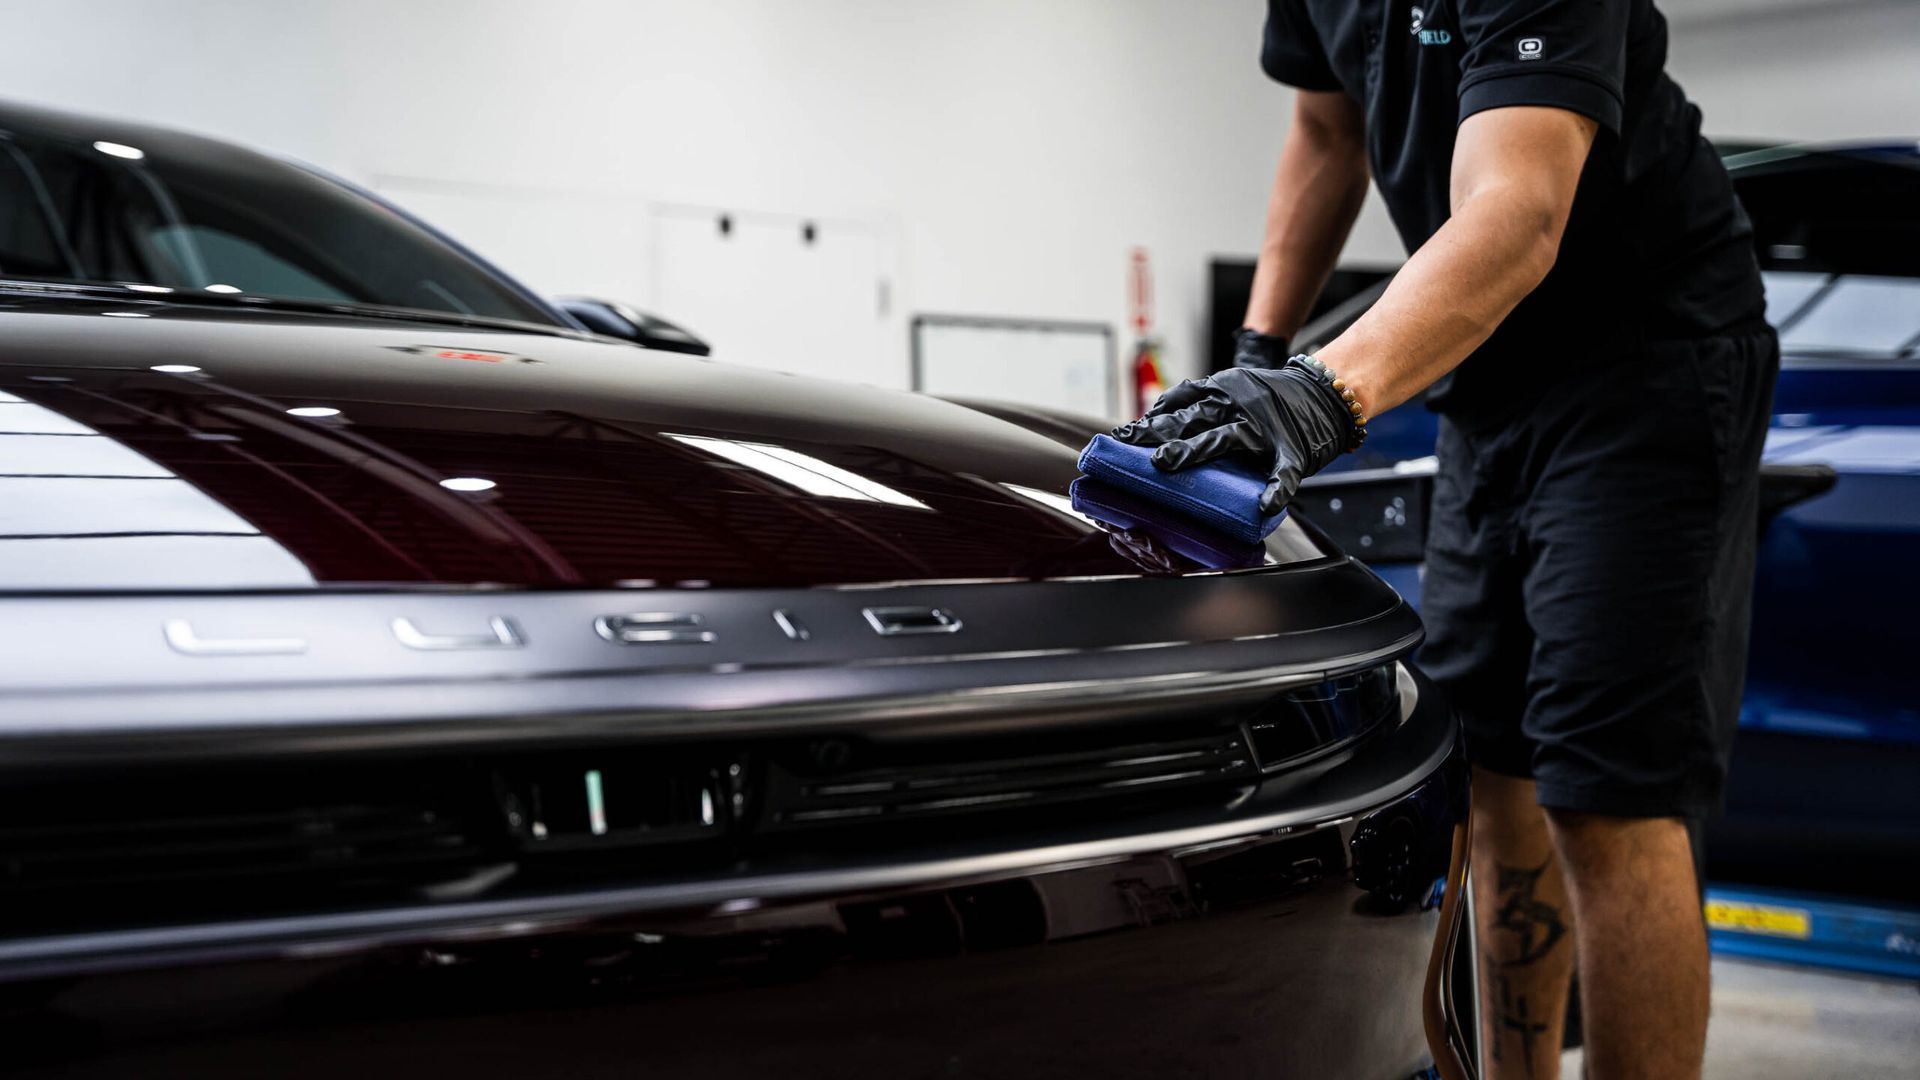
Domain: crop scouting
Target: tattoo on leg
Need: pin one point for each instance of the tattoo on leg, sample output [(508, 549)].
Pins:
[(1536, 923), (1515, 1017), (1494, 1028), (1537, 928)]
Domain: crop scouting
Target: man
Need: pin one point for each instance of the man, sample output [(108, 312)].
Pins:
[(1583, 307)]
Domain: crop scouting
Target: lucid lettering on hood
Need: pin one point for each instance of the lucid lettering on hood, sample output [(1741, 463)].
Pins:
[(504, 632)]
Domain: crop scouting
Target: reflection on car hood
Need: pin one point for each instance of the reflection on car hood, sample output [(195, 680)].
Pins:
[(161, 447)]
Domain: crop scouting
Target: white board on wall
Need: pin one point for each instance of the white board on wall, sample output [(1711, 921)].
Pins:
[(1049, 363)]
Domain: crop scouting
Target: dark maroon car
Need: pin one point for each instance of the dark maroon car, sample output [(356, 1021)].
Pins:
[(398, 676)]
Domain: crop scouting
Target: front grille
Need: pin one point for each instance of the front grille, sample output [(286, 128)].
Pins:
[(85, 848), (585, 800), (141, 845), (840, 782)]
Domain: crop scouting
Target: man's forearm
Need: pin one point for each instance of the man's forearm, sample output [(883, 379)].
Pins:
[(1445, 302), (1515, 173), (1317, 192)]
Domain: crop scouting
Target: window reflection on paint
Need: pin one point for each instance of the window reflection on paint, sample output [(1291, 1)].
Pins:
[(803, 471), (76, 505)]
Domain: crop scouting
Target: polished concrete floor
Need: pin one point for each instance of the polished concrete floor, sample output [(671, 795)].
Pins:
[(1782, 1023)]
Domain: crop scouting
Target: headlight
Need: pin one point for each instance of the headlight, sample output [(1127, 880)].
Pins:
[(1315, 719)]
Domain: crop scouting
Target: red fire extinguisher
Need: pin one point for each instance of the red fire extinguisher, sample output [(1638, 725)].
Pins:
[(1147, 381)]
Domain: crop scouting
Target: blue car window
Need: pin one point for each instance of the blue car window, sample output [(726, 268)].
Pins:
[(1788, 291), (1859, 317)]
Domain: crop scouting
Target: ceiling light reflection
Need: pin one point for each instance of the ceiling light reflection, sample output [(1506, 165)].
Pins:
[(174, 369), (223, 288), (1048, 499), (804, 471), (314, 411), (468, 483), (120, 150)]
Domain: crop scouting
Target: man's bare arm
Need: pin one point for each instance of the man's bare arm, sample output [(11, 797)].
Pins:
[(1514, 174), (1317, 192)]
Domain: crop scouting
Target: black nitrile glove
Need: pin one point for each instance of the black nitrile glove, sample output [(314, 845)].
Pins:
[(1253, 349), (1290, 418), (1144, 551)]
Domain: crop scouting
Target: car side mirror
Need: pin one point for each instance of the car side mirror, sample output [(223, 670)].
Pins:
[(627, 323)]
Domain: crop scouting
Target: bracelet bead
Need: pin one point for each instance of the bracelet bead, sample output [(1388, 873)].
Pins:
[(1318, 367)]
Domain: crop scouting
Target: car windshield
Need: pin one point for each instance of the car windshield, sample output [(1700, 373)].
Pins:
[(1838, 236), (187, 218), (1845, 316)]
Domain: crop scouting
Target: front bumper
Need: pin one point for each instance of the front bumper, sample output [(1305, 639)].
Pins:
[(1286, 935)]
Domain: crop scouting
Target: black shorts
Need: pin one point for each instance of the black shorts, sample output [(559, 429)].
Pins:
[(1589, 577)]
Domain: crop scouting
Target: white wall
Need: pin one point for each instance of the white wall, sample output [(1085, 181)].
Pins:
[(1012, 152), (1007, 153), (1767, 69)]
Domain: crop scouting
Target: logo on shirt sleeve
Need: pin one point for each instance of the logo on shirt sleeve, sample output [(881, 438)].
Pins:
[(1531, 48)]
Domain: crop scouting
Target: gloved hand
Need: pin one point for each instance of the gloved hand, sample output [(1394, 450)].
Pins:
[(1144, 551), (1253, 349), (1294, 419)]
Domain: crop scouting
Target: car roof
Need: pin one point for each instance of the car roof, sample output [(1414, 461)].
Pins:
[(86, 127), (1741, 155)]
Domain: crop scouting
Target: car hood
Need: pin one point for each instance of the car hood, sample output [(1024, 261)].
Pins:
[(162, 447)]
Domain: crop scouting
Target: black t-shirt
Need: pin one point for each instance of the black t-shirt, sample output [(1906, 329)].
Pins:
[(1657, 247)]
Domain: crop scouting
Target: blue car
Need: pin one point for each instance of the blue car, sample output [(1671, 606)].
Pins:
[(1824, 795)]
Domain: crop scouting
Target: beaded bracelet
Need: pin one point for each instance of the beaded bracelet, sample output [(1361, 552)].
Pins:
[(1340, 387)]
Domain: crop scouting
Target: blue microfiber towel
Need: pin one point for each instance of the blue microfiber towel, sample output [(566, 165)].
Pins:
[(1224, 495), (1139, 522)]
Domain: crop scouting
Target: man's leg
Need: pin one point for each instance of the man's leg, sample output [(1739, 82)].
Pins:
[(1525, 929), (1643, 944), (1638, 540)]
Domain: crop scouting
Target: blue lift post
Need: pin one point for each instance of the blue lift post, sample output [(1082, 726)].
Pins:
[(1805, 928)]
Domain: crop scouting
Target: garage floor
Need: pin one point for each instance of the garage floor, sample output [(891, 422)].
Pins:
[(1781, 1023)]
